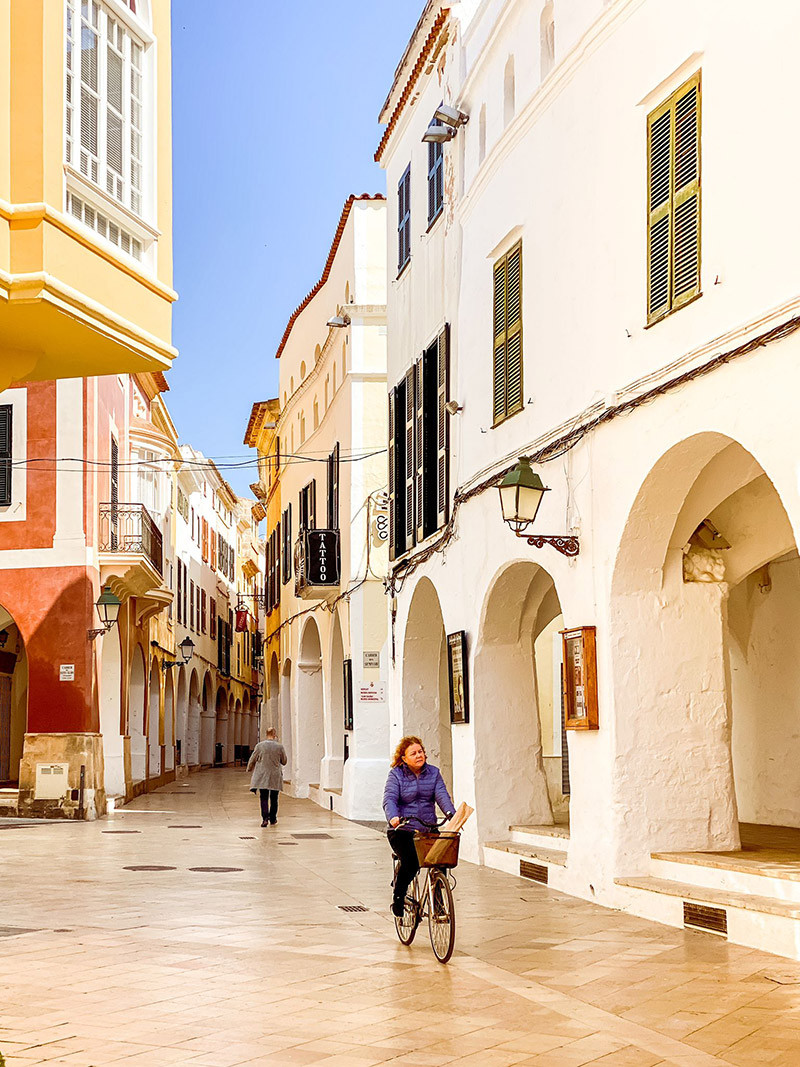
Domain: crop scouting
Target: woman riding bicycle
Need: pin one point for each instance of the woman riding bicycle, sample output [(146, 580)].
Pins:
[(413, 789)]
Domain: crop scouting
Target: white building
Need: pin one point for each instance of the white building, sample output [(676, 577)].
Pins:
[(645, 357), (217, 690), (326, 457)]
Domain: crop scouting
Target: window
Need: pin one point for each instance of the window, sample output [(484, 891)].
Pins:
[(203, 617), (333, 488), (192, 524), (435, 178), (183, 505), (419, 449), (673, 201), (197, 607), (547, 40), (287, 544), (403, 222), (307, 518), (104, 102), (204, 545), (212, 553), (191, 606), (509, 92), (507, 389), (212, 616), (6, 453), (180, 591)]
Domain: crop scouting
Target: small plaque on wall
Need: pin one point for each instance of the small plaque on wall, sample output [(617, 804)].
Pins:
[(580, 678), (459, 677)]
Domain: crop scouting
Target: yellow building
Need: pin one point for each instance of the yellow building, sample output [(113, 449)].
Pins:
[(262, 433), (85, 188)]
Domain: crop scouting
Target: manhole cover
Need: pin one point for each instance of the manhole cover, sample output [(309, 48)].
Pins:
[(148, 867), (352, 907), (120, 831), (216, 870), (189, 826), (308, 837), (14, 931)]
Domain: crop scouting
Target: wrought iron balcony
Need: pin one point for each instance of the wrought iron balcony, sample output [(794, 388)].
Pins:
[(130, 529)]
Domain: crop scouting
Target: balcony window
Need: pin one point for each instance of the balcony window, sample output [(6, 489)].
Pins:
[(105, 101)]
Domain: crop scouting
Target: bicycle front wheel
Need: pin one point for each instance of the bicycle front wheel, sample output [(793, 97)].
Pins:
[(441, 916), (406, 924)]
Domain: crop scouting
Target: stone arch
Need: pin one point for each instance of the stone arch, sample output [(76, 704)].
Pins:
[(274, 702), (169, 722), (426, 693), (207, 722), (333, 766), (310, 739), (285, 726), (154, 722), (521, 609), (137, 701), (194, 714), (181, 716), (703, 647), (14, 700), (221, 720), (111, 725)]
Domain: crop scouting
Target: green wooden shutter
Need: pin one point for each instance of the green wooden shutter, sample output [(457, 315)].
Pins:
[(499, 382), (442, 430), (673, 195), (392, 505), (409, 458), (6, 453), (507, 377), (419, 451)]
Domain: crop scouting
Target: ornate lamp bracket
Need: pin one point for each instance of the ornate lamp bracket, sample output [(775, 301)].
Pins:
[(566, 544)]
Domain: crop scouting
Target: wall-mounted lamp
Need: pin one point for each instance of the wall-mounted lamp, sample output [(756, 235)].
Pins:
[(3, 638), (338, 322), (452, 407), (445, 124), (187, 651), (521, 494), (108, 605), (437, 134)]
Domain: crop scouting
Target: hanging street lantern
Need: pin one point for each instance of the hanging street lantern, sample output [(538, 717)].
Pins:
[(187, 651), (521, 495)]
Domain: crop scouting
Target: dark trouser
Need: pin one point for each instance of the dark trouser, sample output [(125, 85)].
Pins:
[(402, 842), (269, 804)]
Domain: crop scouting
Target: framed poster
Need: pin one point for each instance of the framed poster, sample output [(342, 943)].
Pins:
[(580, 678), (459, 678)]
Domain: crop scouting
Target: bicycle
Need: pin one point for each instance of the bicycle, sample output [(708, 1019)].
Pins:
[(430, 894)]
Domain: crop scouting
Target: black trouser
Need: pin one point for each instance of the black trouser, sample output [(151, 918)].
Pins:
[(269, 804), (402, 842)]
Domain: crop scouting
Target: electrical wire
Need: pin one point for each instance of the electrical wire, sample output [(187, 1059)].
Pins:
[(286, 460)]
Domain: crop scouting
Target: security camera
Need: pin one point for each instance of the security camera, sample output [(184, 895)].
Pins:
[(452, 407)]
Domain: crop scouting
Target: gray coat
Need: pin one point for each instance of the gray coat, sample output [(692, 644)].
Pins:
[(266, 763)]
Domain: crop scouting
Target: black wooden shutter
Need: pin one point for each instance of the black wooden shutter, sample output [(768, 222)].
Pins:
[(686, 227), (6, 453), (278, 564), (419, 450), (312, 504), (392, 396), (336, 465), (443, 430), (347, 680), (180, 593), (514, 401), (409, 457), (404, 219)]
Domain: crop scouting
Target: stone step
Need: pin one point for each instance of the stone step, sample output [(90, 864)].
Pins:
[(760, 922), (724, 874), (554, 837), (530, 852)]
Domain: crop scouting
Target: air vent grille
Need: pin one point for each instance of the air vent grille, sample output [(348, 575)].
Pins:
[(535, 871), (701, 917)]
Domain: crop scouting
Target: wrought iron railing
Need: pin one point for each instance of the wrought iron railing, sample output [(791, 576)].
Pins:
[(130, 528)]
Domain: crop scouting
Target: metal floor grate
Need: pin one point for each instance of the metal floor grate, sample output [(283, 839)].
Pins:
[(702, 917), (535, 871), (148, 867), (215, 870), (189, 826), (120, 831), (352, 907)]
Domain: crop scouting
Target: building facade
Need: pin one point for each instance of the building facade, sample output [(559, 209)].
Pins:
[(85, 189), (323, 461), (641, 353), (219, 573)]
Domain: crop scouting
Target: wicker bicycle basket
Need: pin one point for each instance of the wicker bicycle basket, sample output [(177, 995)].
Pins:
[(437, 850)]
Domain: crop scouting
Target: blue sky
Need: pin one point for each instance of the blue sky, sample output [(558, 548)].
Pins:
[(275, 124)]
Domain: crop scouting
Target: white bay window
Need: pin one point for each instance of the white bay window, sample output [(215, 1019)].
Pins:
[(105, 111)]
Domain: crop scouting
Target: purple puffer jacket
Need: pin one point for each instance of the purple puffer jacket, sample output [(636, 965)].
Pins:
[(414, 797)]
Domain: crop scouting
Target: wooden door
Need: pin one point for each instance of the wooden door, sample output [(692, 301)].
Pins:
[(5, 728)]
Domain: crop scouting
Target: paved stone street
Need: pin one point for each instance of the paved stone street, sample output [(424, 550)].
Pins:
[(251, 961)]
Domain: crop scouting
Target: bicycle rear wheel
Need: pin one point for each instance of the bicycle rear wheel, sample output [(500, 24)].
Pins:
[(441, 916), (406, 925)]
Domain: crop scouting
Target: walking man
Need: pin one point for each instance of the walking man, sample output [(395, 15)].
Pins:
[(267, 763)]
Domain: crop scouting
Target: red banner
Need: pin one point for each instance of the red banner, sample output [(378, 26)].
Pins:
[(241, 620)]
